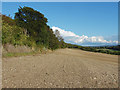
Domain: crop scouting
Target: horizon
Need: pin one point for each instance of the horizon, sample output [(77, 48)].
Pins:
[(79, 23)]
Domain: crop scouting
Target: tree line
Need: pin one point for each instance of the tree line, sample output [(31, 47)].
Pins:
[(29, 27), (114, 50)]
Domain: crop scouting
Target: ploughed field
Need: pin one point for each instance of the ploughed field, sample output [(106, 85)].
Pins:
[(63, 68)]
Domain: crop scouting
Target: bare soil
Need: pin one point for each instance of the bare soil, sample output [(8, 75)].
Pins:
[(63, 68)]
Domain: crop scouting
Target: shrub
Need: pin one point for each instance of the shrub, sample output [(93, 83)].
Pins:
[(13, 35)]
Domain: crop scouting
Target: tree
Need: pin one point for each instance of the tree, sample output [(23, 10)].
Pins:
[(57, 33), (35, 24), (53, 40), (60, 38)]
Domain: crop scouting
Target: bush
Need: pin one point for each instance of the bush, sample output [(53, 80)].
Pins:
[(13, 35)]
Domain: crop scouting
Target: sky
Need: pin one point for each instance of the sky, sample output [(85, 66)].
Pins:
[(82, 23)]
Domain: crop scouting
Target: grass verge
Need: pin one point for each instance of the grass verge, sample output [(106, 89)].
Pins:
[(19, 54)]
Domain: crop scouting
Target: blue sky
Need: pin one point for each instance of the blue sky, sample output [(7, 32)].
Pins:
[(81, 18)]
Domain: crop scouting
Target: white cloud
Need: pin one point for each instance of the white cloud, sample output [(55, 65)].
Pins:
[(64, 33), (83, 40)]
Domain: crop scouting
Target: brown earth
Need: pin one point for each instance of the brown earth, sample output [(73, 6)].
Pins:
[(64, 68), (8, 48)]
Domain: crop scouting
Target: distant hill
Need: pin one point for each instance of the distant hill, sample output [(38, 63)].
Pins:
[(115, 50)]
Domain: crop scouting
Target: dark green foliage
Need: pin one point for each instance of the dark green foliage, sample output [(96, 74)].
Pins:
[(35, 24), (114, 47), (30, 28), (13, 35), (106, 49), (53, 40)]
